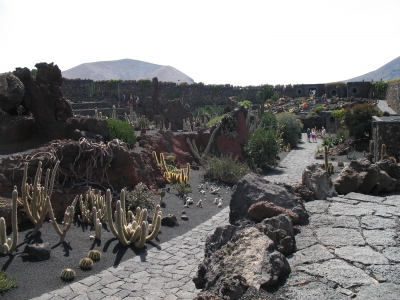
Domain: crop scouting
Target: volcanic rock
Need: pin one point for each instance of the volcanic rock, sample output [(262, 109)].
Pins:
[(317, 180), (11, 92), (252, 189), (248, 259), (358, 176)]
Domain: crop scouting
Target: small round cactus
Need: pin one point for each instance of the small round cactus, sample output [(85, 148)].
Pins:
[(94, 255), (86, 263), (67, 274)]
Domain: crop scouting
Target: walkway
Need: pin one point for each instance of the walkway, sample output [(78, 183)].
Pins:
[(292, 167), (383, 106)]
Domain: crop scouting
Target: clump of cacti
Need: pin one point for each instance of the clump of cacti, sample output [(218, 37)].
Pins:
[(130, 228), (340, 164), (86, 263), (34, 195), (9, 244), (172, 176), (87, 203), (67, 274), (94, 255)]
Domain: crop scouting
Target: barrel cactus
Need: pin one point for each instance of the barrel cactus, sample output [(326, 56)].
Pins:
[(94, 255), (68, 274), (86, 263)]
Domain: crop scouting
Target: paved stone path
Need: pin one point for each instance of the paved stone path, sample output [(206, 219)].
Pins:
[(349, 248), (383, 106), (292, 167)]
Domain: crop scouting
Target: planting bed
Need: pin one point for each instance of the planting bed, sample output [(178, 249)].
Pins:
[(38, 277)]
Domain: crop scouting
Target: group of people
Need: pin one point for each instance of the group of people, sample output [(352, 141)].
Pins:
[(133, 100), (312, 134)]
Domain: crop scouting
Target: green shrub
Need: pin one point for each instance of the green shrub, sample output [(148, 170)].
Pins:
[(319, 108), (211, 110), (245, 103), (291, 127), (121, 130), (225, 169), (141, 197), (335, 83), (183, 188), (358, 118), (5, 282), (275, 97), (215, 120), (380, 86), (268, 120), (262, 147), (313, 115), (338, 113)]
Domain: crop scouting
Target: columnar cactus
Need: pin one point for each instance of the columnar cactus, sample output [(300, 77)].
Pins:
[(9, 244), (195, 151), (68, 218), (34, 196), (134, 229), (87, 204)]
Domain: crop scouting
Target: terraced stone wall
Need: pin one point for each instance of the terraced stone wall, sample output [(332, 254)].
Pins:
[(393, 96)]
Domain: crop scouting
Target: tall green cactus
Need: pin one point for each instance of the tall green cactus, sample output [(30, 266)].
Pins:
[(9, 244), (34, 196), (134, 229)]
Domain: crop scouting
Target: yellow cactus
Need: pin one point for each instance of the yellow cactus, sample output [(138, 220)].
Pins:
[(155, 157)]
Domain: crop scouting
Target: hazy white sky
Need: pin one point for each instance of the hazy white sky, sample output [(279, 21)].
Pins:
[(215, 42)]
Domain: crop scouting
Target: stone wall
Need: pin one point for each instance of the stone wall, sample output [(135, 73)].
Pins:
[(78, 90), (393, 96), (386, 130), (358, 89), (199, 94), (303, 90)]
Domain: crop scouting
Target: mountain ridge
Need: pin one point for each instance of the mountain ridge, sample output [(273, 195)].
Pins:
[(126, 69), (389, 71)]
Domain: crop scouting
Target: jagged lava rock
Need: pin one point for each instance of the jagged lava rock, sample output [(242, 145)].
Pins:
[(264, 209), (358, 176), (252, 189), (317, 180), (248, 259), (11, 92)]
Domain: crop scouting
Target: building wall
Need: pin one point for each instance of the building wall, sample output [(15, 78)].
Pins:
[(393, 96)]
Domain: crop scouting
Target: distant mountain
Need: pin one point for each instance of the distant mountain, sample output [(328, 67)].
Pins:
[(126, 69), (389, 71)]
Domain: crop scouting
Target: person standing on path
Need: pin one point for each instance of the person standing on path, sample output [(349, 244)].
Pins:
[(308, 135), (323, 133), (313, 135)]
